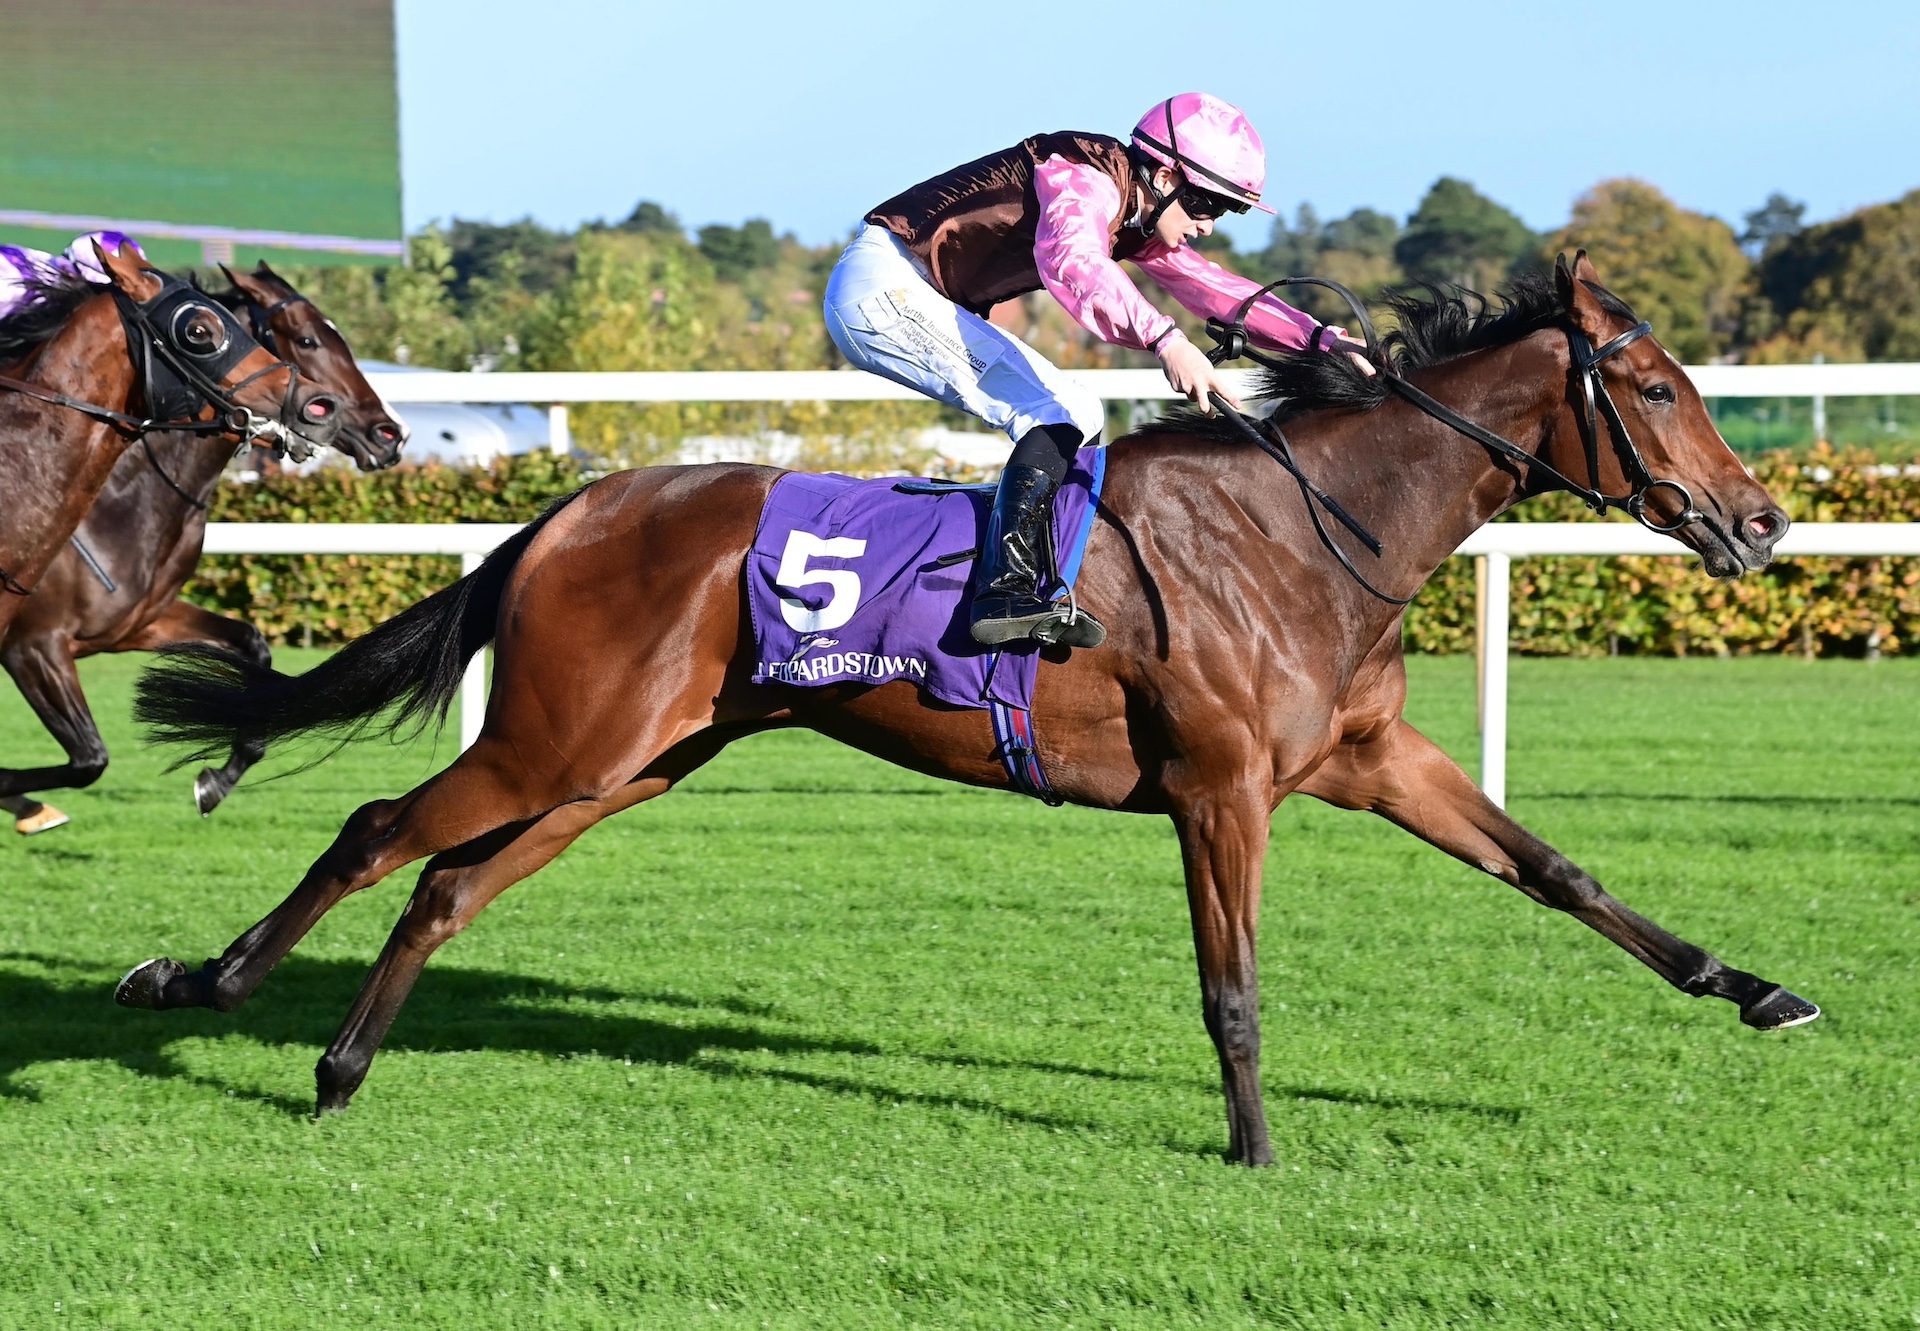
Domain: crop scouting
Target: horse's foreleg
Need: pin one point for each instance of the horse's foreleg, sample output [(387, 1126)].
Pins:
[(184, 622), (484, 789), (1223, 846), (43, 669), (1403, 776)]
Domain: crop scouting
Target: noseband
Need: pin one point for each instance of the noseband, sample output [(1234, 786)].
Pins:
[(1595, 404)]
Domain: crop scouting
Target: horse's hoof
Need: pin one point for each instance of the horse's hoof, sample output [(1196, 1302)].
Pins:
[(144, 984), (208, 791), (1778, 1009), (43, 819), (329, 1103)]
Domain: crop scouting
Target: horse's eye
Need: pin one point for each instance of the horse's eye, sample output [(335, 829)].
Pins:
[(1659, 393), (307, 343), (198, 335)]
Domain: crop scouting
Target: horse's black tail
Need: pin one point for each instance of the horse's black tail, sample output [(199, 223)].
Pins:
[(205, 697)]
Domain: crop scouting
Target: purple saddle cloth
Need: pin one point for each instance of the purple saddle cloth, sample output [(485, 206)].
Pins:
[(855, 581)]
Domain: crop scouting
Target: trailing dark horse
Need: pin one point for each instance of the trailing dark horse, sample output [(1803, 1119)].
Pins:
[(116, 586), (1244, 662), (86, 370)]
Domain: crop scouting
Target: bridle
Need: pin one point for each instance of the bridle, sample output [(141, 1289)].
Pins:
[(1595, 403), (179, 378), (260, 324), (260, 318)]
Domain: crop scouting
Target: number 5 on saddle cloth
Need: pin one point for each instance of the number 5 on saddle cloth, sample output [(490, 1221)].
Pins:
[(863, 582)]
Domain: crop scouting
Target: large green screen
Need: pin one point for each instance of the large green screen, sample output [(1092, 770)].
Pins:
[(260, 128)]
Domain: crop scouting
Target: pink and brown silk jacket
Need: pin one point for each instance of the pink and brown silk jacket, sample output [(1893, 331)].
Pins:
[(1051, 211)]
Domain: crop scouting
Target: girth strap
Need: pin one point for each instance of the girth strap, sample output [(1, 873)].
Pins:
[(1019, 752)]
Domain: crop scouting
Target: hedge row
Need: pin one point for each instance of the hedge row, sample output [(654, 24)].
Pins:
[(1562, 606)]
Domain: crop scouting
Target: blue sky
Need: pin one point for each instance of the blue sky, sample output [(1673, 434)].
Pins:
[(809, 114)]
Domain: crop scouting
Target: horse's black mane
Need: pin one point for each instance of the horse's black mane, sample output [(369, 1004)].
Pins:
[(55, 295), (1435, 324)]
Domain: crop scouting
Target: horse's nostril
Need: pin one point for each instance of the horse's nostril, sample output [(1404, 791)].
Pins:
[(387, 432), (319, 408), (1763, 528)]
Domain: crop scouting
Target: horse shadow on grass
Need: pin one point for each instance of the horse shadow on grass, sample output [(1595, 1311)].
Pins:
[(61, 1009)]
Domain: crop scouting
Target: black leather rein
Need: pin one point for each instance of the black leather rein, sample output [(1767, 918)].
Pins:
[(1597, 404)]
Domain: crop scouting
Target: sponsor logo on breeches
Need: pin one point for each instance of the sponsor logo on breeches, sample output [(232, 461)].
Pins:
[(868, 665), (934, 341)]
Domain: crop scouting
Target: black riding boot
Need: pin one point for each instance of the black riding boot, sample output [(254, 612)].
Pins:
[(1014, 561)]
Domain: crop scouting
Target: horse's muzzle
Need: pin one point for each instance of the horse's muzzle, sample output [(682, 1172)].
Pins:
[(1743, 545)]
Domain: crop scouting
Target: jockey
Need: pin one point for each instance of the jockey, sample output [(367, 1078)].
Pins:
[(22, 269), (909, 299)]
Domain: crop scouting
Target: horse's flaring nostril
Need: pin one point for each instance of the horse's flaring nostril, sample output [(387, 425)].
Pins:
[(320, 408)]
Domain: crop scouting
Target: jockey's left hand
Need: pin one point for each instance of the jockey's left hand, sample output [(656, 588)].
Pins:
[(1355, 352)]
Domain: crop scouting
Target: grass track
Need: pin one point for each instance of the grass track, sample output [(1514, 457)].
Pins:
[(790, 1048)]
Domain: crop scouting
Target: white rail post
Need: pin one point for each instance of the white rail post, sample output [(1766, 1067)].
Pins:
[(559, 434), (1493, 729), (473, 685), (1480, 643)]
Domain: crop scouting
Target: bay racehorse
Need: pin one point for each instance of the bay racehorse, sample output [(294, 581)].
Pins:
[(1244, 662), (88, 369), (115, 587)]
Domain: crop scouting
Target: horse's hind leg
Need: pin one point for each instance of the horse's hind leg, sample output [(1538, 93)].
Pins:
[(484, 789), (455, 887), (1403, 776), (184, 622)]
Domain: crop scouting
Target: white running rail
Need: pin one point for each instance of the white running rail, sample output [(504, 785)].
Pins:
[(1501, 543)]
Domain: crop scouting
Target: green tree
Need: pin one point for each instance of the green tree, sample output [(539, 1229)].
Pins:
[(542, 259), (649, 218), (1364, 232), (1355, 251), (403, 313), (1852, 283), (737, 251), (1681, 270), (1292, 250), (1773, 224), (1458, 235)]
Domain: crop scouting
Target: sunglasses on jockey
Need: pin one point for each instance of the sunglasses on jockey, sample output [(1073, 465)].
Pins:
[(1203, 205)]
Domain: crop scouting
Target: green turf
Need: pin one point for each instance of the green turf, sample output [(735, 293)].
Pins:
[(792, 1047)]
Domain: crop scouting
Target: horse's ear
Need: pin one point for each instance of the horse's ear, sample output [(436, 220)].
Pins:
[(247, 284), (1576, 283), (1563, 279), (128, 271)]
